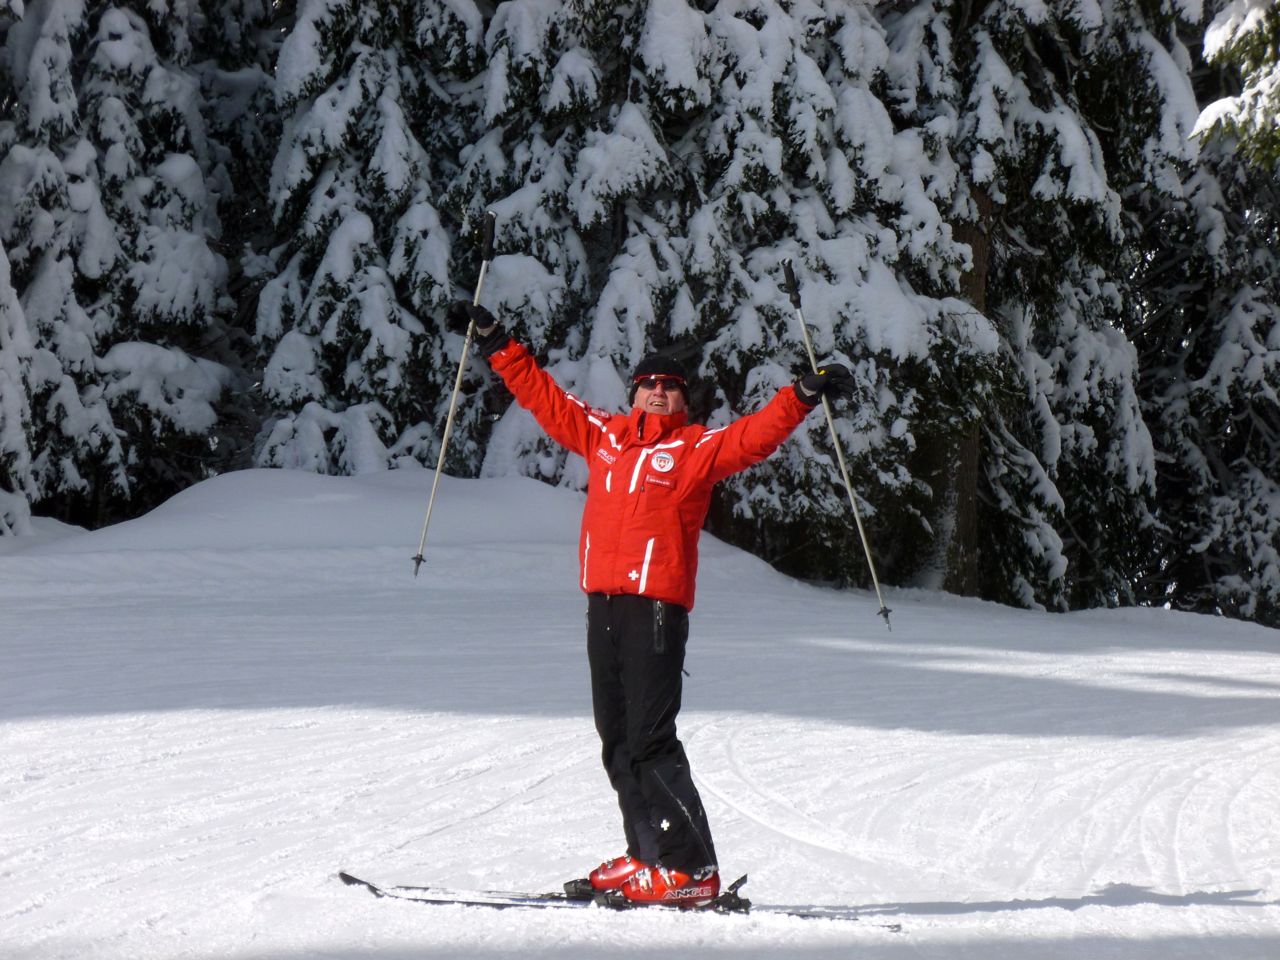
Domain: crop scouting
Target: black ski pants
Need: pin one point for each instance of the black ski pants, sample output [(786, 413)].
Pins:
[(636, 649)]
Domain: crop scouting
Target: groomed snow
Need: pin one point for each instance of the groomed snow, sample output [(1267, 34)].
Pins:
[(206, 712)]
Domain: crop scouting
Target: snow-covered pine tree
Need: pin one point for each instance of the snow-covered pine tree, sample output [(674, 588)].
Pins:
[(569, 151), (356, 362), (1245, 35), (662, 160), (162, 306), (107, 224), (657, 162), (1211, 342), (78, 457), (1067, 461), (17, 484), (798, 157), (238, 42), (1206, 267)]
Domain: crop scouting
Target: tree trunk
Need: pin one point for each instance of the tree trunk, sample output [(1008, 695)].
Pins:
[(962, 556)]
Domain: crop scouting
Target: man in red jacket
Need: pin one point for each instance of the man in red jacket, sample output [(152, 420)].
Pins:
[(648, 490)]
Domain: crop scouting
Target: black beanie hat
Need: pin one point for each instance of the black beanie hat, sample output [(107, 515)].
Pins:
[(658, 365)]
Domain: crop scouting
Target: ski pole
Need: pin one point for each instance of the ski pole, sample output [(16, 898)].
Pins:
[(793, 290), (486, 255)]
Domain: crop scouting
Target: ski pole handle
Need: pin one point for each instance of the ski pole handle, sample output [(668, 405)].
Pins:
[(486, 254), (486, 244), (793, 288)]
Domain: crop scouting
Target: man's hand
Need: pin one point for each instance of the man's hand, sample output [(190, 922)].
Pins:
[(832, 380), (460, 314), (490, 337)]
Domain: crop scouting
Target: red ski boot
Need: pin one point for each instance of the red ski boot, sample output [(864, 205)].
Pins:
[(612, 874), (673, 887)]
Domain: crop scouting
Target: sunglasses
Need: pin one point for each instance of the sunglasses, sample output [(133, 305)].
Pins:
[(652, 383)]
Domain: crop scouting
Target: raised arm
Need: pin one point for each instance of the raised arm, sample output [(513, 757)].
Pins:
[(751, 438), (565, 418)]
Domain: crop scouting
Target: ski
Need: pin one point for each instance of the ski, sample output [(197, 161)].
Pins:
[(494, 899), (578, 894)]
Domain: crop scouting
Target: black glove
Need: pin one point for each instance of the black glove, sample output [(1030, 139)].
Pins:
[(459, 316), (462, 312), (833, 380)]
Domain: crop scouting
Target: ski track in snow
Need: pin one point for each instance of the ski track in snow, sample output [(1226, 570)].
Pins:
[(204, 714)]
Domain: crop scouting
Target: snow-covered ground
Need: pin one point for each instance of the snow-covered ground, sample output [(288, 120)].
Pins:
[(206, 712)]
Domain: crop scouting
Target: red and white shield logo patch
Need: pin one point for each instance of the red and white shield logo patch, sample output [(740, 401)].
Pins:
[(663, 462)]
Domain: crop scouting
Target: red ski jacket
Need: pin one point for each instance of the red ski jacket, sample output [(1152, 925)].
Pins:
[(650, 477)]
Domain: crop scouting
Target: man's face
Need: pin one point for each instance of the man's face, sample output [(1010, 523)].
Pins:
[(660, 395)]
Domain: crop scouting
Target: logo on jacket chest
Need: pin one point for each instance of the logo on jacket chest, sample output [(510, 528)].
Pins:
[(663, 462)]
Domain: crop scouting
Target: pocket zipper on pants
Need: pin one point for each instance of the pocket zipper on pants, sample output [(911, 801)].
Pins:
[(659, 627)]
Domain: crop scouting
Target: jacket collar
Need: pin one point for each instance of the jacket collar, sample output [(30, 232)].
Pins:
[(653, 427)]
